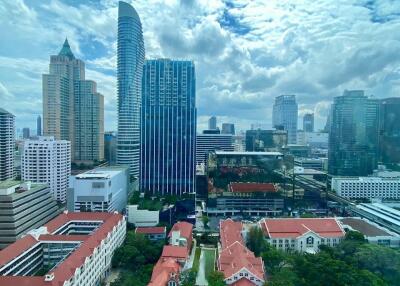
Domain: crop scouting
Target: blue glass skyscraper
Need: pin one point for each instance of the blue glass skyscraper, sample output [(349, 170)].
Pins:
[(168, 127), (130, 68)]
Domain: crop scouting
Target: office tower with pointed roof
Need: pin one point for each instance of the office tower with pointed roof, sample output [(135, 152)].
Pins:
[(129, 85), (7, 144), (72, 107)]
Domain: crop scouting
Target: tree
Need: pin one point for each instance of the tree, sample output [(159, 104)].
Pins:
[(188, 278), (205, 220), (355, 236), (274, 259), (216, 278), (256, 241)]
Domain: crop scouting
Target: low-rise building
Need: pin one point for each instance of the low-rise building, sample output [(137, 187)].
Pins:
[(238, 264), (302, 234), (103, 189), (142, 218), (153, 233), (181, 234), (24, 206), (320, 164), (313, 139), (366, 187), (72, 249)]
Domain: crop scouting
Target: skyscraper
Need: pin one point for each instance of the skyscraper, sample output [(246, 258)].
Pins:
[(72, 108), (46, 160), (7, 144), (308, 122), (89, 122), (389, 139), (353, 138), (26, 133), (284, 115), (228, 128), (129, 77), (39, 126), (168, 128), (211, 142), (212, 123)]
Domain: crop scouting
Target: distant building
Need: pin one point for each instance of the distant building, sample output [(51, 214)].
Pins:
[(7, 145), (110, 147), (212, 131), (48, 161), (266, 140), (25, 206), (353, 137), (153, 233), (239, 143), (285, 112), (320, 164), (26, 133), (168, 127), (366, 187), (212, 123), (262, 126), (238, 264), (211, 142), (228, 128), (142, 218), (103, 189), (313, 139), (389, 135), (302, 234), (72, 249), (39, 126), (130, 60), (302, 151), (308, 122)]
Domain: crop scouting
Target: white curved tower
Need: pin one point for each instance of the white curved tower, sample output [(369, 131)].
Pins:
[(130, 69)]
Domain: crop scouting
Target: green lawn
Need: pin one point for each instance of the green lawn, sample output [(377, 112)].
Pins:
[(209, 255), (196, 261)]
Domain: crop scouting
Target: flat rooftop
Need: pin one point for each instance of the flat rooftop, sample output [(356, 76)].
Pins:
[(9, 183), (363, 226), (101, 173)]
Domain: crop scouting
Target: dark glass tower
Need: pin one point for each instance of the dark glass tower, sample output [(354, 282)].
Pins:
[(389, 139), (168, 127), (353, 138), (130, 68)]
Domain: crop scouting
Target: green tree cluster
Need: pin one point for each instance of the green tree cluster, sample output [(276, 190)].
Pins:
[(135, 258)]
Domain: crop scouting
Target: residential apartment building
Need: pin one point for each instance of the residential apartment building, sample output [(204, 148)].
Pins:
[(23, 207), (238, 264), (284, 115), (366, 187), (211, 142), (302, 234), (48, 161), (7, 145), (168, 131), (103, 189), (73, 249), (130, 60)]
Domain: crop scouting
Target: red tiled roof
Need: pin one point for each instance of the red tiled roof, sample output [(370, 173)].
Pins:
[(151, 230), (230, 232), (243, 282), (63, 218), (17, 248), (162, 271), (179, 252), (184, 227), (294, 227), (251, 187), (23, 281), (235, 255)]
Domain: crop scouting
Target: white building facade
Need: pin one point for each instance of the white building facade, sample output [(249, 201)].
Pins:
[(7, 144), (142, 218), (103, 189), (367, 187), (46, 160)]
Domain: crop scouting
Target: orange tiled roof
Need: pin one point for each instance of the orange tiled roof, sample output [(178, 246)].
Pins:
[(151, 230), (252, 188), (184, 227)]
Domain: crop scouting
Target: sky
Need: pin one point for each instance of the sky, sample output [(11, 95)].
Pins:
[(246, 52)]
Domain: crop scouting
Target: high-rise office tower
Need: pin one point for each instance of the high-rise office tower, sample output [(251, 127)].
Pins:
[(168, 127), (389, 139), (284, 115), (7, 144), (72, 108), (46, 160), (26, 133), (110, 147), (353, 138), (212, 123), (308, 122), (129, 78), (39, 126), (228, 128), (89, 122), (211, 142)]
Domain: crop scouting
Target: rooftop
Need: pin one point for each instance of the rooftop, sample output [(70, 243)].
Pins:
[(101, 173), (151, 230), (295, 227), (363, 226), (230, 232), (251, 187), (184, 227), (178, 252), (9, 183)]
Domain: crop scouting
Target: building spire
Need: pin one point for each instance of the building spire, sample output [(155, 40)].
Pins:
[(66, 50)]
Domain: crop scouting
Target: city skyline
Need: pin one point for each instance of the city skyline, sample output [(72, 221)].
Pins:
[(242, 59)]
